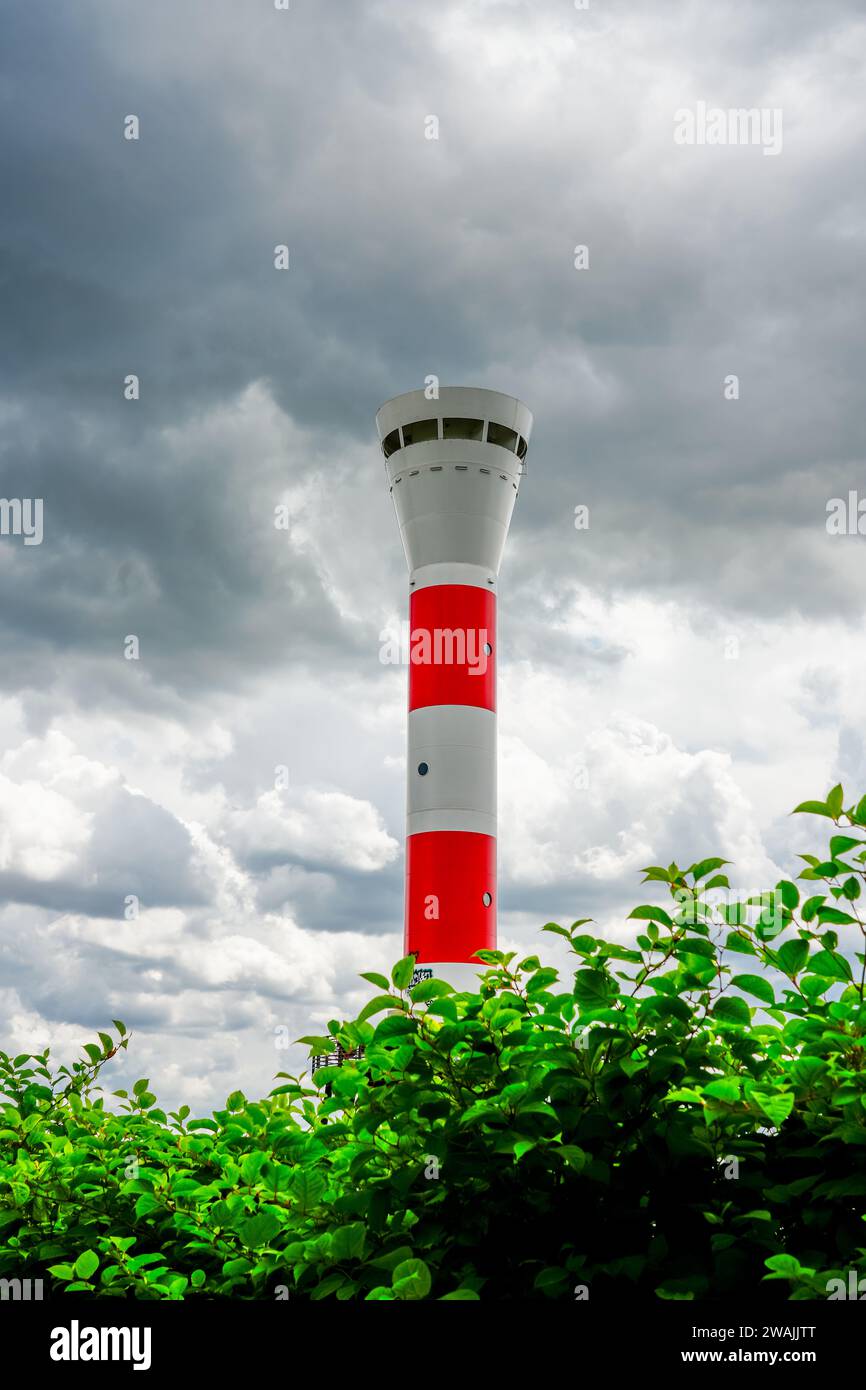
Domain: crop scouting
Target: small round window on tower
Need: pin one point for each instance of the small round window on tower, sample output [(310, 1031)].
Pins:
[(486, 899), (423, 769)]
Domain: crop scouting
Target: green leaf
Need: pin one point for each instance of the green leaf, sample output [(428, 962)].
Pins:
[(834, 801), (698, 947), (730, 1009), (810, 907), (551, 1280), (308, 1186), (259, 1230), (402, 973), (584, 945), (330, 1284), (553, 927), (393, 1258), (783, 1267), (776, 1105), (741, 944), (813, 985), (347, 1242), (656, 873), (790, 894), (792, 956), (430, 989), (814, 808), (141, 1261), (685, 1094), (830, 964), (380, 981), (146, 1203), (575, 1157), (378, 1003), (594, 986), (411, 1279), (725, 1089), (86, 1265), (706, 866), (808, 1071), (252, 1165), (755, 984), (393, 1026), (650, 913), (840, 844), (444, 1006)]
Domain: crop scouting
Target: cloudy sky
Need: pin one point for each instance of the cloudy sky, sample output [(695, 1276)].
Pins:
[(673, 678)]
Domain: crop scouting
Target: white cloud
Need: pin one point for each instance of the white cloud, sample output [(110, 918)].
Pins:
[(44, 829), (327, 827)]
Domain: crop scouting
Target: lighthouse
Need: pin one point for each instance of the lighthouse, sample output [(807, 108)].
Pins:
[(454, 466)]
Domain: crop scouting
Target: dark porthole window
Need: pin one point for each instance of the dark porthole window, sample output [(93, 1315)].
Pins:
[(391, 443), (486, 899), (423, 769), (488, 649), (501, 435), (421, 432), (458, 428), (521, 447)]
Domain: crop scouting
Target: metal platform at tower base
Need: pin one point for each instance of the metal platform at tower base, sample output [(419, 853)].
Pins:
[(335, 1059)]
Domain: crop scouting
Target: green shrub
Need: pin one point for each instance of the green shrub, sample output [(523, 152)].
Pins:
[(686, 1118)]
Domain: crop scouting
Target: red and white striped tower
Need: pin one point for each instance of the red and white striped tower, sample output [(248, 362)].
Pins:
[(454, 465)]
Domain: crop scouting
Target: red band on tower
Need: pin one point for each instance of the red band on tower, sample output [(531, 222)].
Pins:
[(448, 873), (450, 628)]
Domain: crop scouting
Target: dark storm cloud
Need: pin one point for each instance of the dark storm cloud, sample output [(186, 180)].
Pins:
[(180, 551), (408, 257)]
